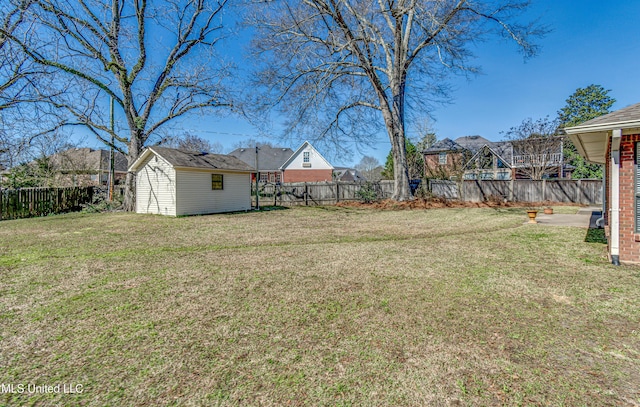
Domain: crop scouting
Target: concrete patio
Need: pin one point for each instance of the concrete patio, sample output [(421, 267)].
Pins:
[(585, 218)]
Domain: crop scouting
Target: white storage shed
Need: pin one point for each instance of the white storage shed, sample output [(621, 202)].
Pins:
[(178, 182)]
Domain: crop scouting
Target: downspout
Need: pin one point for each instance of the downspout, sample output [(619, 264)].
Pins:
[(600, 220), (615, 197)]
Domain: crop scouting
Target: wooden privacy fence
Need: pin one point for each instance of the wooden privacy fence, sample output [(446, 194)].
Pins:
[(319, 193), (28, 202), (580, 191)]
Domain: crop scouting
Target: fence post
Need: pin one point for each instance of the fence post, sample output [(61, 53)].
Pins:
[(578, 192), (544, 190), (511, 185), (337, 192), (306, 194)]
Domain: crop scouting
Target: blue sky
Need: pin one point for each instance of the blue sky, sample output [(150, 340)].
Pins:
[(592, 42)]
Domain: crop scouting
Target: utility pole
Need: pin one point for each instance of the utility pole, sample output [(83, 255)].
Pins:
[(111, 153), (257, 181)]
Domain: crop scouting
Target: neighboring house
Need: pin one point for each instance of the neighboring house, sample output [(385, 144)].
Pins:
[(344, 174), (614, 141), (493, 160), (445, 159), (179, 182), (306, 164), (86, 166), (270, 159), (81, 167), (475, 157)]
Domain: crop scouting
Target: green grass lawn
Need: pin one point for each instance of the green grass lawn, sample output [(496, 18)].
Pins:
[(318, 307)]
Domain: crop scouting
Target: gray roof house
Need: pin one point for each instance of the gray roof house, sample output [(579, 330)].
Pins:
[(484, 159), (346, 174), (179, 182), (474, 156), (88, 159), (269, 158)]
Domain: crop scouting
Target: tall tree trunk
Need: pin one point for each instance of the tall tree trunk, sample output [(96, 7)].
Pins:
[(395, 126), (402, 191), (135, 147)]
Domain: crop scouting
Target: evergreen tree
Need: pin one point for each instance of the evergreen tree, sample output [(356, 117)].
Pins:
[(583, 105)]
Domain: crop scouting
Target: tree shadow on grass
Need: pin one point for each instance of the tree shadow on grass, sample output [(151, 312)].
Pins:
[(595, 234)]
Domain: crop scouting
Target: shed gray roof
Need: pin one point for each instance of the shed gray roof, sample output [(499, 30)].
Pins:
[(627, 114), (194, 159), (269, 158)]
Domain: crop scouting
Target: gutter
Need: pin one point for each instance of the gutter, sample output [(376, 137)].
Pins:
[(602, 127)]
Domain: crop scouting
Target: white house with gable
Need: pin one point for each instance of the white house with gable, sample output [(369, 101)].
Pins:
[(306, 164)]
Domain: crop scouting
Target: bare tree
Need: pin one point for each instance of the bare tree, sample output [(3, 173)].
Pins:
[(153, 58), (537, 148), (426, 136), (188, 141), (334, 67), (370, 167), (251, 142), (14, 70), (40, 164)]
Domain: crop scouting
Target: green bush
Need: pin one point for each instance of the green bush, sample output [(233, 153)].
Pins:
[(368, 192), (101, 203)]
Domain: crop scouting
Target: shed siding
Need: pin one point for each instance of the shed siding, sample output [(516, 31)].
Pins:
[(155, 187), (195, 196)]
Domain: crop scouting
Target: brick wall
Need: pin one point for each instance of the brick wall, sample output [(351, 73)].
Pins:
[(433, 168), (629, 247), (307, 175)]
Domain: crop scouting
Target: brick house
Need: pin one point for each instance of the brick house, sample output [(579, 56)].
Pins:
[(280, 165), (445, 159), (306, 164), (613, 140), (270, 159), (476, 158)]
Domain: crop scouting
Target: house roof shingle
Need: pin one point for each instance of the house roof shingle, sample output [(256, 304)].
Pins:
[(269, 158), (194, 159), (627, 114), (473, 143), (347, 174), (443, 145)]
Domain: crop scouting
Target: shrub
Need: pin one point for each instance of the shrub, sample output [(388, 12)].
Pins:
[(368, 192), (101, 203)]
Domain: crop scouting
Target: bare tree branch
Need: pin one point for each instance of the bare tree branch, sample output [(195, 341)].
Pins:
[(328, 60), (100, 50)]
